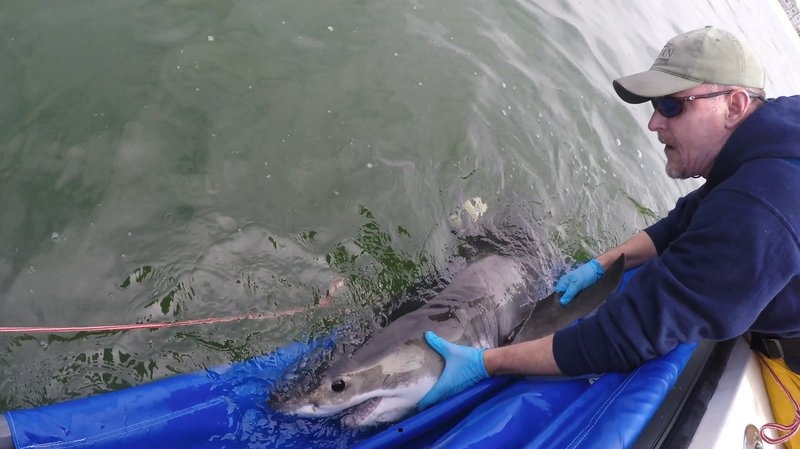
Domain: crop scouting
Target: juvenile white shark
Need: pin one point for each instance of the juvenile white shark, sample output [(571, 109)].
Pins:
[(487, 305)]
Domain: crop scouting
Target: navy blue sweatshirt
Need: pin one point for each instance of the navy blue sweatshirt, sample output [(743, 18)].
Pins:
[(728, 258)]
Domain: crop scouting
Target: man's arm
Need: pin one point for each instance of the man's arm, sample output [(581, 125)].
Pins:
[(637, 249), (528, 358)]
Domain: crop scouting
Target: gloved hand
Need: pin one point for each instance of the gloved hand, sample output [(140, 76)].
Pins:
[(578, 279), (463, 368)]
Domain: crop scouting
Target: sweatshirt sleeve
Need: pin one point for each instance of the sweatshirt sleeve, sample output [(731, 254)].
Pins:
[(711, 282), (664, 231)]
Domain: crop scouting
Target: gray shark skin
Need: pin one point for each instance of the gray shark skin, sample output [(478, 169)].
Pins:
[(487, 305)]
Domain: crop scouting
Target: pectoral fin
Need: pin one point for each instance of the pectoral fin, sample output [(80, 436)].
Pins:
[(549, 316)]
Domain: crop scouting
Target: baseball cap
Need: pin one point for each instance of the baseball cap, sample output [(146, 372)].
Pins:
[(704, 56)]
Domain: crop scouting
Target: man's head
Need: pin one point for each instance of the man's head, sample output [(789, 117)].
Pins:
[(702, 85)]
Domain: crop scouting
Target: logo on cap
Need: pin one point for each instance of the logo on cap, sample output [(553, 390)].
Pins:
[(666, 53)]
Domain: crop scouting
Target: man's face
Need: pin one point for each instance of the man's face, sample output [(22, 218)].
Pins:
[(693, 139)]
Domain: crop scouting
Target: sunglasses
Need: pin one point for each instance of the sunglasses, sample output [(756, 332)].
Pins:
[(671, 107)]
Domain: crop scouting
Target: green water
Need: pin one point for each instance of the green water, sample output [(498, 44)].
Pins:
[(170, 160)]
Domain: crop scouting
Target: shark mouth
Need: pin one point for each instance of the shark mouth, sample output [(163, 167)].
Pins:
[(357, 414)]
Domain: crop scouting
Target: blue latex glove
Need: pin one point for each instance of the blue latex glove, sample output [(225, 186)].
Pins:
[(578, 279), (463, 367)]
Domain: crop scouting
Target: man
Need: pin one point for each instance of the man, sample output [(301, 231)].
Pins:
[(725, 261)]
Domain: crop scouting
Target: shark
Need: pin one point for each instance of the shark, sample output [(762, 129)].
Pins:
[(488, 305)]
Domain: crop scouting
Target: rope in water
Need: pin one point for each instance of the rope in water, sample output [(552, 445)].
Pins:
[(128, 327), (325, 301), (790, 429)]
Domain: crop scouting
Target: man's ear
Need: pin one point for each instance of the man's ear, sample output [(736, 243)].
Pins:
[(738, 108)]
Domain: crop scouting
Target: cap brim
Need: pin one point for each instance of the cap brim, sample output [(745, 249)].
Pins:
[(644, 86)]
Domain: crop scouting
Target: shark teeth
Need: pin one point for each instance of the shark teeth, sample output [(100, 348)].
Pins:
[(357, 414)]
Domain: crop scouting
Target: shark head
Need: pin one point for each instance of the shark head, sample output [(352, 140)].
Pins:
[(380, 382)]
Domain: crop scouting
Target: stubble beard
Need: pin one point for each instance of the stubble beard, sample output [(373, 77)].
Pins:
[(675, 167), (675, 172)]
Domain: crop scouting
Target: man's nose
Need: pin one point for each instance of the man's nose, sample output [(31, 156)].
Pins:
[(657, 122)]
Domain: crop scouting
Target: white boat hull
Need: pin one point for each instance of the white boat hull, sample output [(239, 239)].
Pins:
[(740, 399)]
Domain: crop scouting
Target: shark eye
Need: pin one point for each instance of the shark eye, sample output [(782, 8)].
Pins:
[(338, 385)]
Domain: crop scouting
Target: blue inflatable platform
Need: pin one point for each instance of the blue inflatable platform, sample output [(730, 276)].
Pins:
[(226, 408)]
